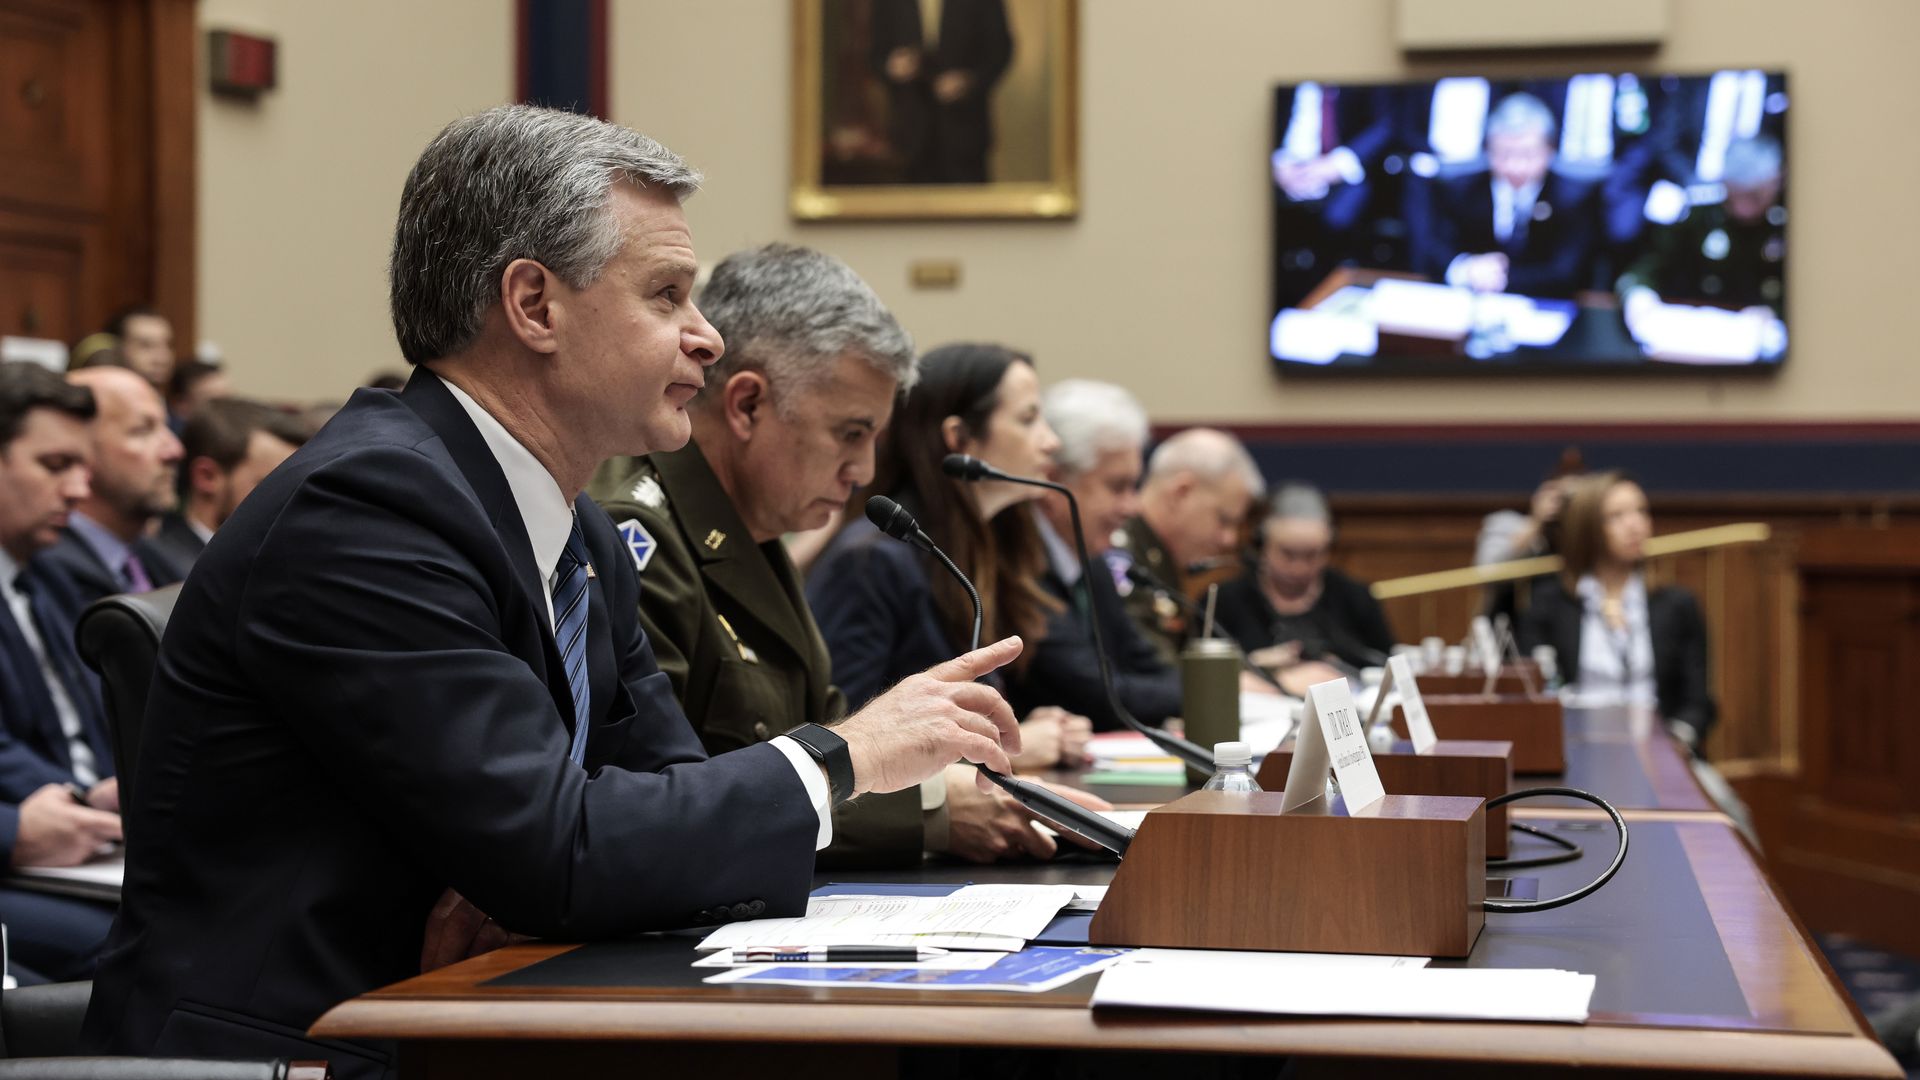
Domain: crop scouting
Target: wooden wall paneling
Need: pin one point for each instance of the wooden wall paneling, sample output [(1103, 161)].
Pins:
[(97, 137), (54, 104), (173, 26)]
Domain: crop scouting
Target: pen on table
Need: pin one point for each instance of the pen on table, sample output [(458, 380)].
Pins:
[(837, 954)]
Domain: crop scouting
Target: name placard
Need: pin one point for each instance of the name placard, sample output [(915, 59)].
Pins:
[(1337, 740), (1419, 725), (1487, 644)]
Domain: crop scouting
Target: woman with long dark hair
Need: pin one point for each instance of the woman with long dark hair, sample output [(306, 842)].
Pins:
[(883, 606)]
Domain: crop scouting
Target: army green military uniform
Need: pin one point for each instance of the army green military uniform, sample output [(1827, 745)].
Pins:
[(729, 625), (1708, 257), (1154, 603)]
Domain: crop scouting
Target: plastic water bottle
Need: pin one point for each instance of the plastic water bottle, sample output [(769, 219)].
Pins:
[(1232, 768)]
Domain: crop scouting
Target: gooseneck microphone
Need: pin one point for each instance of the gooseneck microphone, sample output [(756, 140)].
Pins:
[(969, 468), (894, 520)]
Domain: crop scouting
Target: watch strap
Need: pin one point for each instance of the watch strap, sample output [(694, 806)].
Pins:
[(830, 750)]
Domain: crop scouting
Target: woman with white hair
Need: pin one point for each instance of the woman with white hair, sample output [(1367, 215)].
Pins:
[(1293, 600)]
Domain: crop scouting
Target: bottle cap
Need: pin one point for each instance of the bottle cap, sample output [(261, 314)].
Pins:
[(1232, 753)]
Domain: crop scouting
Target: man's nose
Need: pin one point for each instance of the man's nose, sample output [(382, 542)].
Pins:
[(701, 341)]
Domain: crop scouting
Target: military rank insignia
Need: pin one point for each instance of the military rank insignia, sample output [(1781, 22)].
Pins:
[(639, 542)]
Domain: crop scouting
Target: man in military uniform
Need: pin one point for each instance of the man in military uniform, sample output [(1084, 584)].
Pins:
[(782, 433), (1198, 489), (1729, 254)]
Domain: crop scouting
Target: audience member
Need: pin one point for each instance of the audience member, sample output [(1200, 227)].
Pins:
[(195, 382), (104, 548), (881, 604), (1615, 641), (782, 436), (229, 446), (59, 801), (1102, 432), (146, 343), (1199, 485), (1506, 535), (387, 380), (1292, 601), (1516, 226), (410, 666)]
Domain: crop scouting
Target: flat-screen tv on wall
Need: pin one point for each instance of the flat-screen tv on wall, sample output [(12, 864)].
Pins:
[(1603, 222)]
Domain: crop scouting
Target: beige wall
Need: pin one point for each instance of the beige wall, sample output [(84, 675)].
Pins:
[(297, 192), (1160, 284)]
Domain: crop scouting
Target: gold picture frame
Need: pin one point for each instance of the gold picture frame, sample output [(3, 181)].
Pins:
[(859, 155)]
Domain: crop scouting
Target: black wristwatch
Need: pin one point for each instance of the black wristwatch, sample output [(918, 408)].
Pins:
[(830, 750)]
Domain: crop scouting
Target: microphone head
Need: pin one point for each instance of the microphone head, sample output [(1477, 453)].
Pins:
[(891, 518), (965, 467)]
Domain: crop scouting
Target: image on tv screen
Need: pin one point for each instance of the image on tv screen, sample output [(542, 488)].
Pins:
[(1601, 222)]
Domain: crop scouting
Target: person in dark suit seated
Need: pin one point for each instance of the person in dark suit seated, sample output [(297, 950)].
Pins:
[(1292, 606), (882, 605), (939, 82), (230, 445), (404, 706), (1102, 432), (1515, 226), (782, 437), (104, 549), (1614, 640), (59, 801)]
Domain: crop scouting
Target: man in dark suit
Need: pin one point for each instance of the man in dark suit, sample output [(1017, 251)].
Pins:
[(229, 446), (104, 548), (939, 76), (1515, 226), (1103, 432), (58, 798), (404, 705), (781, 437)]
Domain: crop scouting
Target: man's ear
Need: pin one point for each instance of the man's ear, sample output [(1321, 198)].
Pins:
[(953, 431), (743, 397), (529, 295), (204, 475)]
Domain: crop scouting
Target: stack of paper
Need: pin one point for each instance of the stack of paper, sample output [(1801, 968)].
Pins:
[(995, 918), (1290, 984), (1030, 971), (1125, 757)]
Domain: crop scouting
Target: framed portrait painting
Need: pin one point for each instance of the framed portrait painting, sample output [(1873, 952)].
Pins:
[(918, 109)]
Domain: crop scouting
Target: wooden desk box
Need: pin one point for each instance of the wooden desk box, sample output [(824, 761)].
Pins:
[(1479, 770), (1228, 870), (1533, 725)]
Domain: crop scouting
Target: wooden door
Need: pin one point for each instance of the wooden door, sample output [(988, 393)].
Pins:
[(97, 141)]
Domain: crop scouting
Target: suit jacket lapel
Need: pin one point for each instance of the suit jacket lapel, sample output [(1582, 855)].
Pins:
[(30, 716), (603, 667), (429, 398), (731, 560)]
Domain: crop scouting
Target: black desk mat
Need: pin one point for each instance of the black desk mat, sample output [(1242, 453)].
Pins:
[(1611, 770), (1674, 966)]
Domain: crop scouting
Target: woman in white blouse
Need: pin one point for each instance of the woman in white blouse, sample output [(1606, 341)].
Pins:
[(1618, 642)]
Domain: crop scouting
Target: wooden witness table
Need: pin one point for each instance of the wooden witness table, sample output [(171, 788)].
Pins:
[(1701, 969)]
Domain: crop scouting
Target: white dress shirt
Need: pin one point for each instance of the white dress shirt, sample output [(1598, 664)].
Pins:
[(86, 771), (549, 520), (1616, 666)]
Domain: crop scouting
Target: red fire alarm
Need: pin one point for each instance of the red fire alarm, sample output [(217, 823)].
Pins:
[(240, 65)]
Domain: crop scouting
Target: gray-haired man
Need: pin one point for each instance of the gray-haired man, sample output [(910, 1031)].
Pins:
[(405, 688), (782, 435)]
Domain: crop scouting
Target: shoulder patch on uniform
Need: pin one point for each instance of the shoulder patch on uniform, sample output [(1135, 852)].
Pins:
[(648, 493), (639, 541)]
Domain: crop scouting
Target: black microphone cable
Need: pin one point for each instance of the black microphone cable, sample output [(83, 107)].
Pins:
[(1591, 887), (969, 468), (894, 520)]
